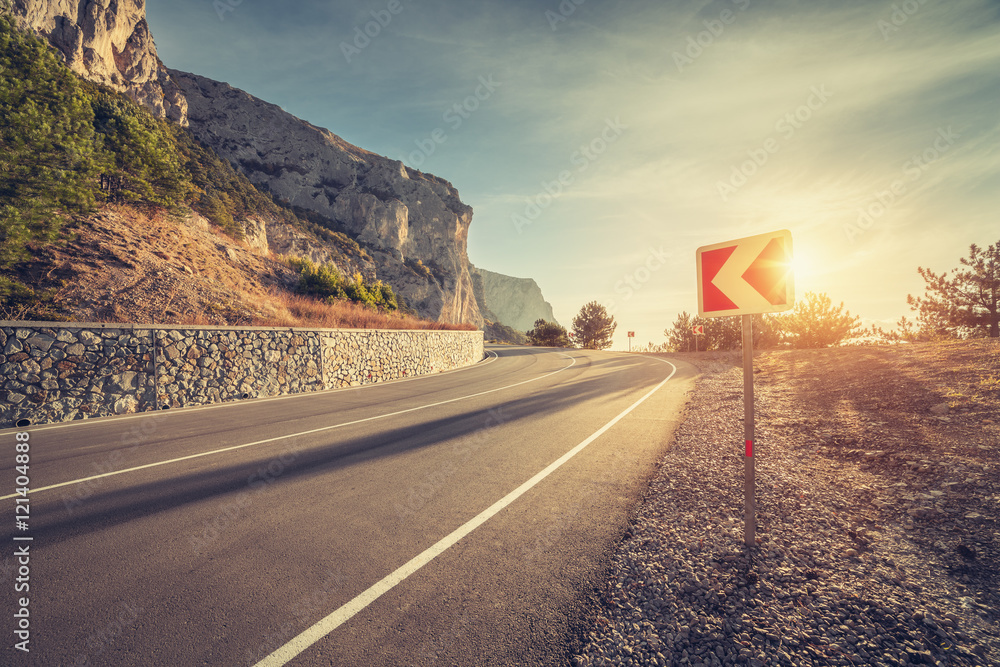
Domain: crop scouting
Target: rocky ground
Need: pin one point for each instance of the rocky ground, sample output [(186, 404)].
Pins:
[(878, 494)]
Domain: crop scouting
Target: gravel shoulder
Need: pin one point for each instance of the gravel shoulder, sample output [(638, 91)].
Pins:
[(878, 494)]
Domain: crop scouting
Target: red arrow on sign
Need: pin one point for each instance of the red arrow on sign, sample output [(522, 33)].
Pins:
[(712, 262), (750, 275), (767, 273)]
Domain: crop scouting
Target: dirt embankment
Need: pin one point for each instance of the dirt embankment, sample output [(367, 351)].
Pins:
[(925, 420), (121, 265), (878, 499)]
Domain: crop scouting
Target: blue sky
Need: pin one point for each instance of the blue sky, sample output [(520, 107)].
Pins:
[(601, 143)]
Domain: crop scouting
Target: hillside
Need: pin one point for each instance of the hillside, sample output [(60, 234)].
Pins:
[(110, 214), (262, 177), (122, 264)]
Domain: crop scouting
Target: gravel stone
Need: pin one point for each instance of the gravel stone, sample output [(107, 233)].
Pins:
[(832, 578)]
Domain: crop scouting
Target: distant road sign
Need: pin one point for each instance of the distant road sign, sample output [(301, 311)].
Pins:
[(746, 276), (698, 330), (631, 334)]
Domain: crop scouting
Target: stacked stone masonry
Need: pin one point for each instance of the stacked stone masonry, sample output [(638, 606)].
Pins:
[(54, 372)]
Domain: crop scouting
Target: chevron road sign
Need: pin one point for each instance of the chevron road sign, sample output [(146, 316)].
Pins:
[(746, 276)]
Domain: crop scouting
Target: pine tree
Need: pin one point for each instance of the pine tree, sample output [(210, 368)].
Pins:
[(48, 154), (966, 304), (816, 322), (593, 327), (147, 166)]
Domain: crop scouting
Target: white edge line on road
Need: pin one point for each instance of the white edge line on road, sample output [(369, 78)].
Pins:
[(234, 402), (338, 617), (290, 435)]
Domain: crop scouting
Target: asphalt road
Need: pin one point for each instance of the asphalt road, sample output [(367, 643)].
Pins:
[(457, 519)]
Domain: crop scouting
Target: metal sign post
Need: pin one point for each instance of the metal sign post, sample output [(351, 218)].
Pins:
[(749, 472), (745, 277)]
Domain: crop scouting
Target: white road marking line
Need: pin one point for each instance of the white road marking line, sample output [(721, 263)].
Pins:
[(337, 618), (231, 403), (290, 435)]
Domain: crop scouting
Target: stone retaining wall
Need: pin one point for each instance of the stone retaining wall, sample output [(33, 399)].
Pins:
[(59, 371)]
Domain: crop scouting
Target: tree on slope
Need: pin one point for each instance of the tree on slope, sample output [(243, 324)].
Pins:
[(965, 304), (816, 322), (48, 150), (722, 333), (548, 334), (680, 335), (593, 327)]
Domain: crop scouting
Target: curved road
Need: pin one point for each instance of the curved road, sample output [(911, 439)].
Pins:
[(456, 519)]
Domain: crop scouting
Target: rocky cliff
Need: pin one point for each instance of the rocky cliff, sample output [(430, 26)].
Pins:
[(413, 226), (400, 215), (516, 302), (107, 41)]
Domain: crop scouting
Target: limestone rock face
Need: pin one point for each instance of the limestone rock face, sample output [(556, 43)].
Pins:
[(107, 41), (413, 225), (516, 302), (399, 214)]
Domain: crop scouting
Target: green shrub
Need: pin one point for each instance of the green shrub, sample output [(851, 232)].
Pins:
[(326, 282)]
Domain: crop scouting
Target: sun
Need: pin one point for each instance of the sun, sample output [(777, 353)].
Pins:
[(801, 264)]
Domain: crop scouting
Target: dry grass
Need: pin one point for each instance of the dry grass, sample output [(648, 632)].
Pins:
[(294, 310)]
